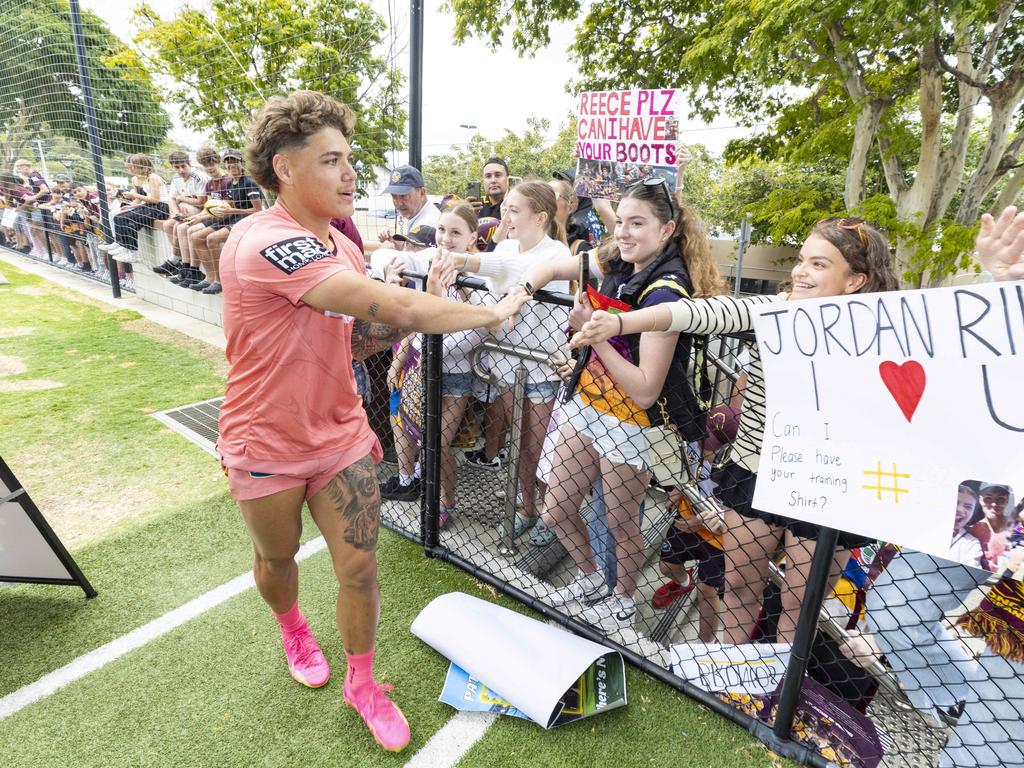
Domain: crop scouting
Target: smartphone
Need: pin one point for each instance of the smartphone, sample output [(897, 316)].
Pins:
[(473, 189)]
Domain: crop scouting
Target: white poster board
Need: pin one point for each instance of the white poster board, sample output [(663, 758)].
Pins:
[(528, 664), (29, 549), (623, 137), (879, 406)]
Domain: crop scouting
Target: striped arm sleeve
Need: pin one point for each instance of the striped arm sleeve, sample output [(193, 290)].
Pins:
[(718, 314)]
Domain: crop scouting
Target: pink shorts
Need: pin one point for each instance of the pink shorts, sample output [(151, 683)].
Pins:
[(262, 478)]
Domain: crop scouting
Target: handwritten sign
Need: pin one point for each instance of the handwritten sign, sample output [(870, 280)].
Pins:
[(879, 406), (741, 669), (623, 137)]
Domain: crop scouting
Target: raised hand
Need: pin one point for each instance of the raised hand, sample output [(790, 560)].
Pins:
[(1000, 244)]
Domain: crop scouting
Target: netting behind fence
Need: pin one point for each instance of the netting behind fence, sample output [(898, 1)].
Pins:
[(621, 507)]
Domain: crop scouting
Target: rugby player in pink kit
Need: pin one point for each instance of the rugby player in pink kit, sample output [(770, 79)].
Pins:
[(298, 308)]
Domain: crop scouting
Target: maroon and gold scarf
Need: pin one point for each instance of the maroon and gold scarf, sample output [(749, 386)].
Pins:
[(999, 619)]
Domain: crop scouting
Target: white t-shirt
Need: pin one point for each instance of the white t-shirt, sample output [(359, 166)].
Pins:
[(193, 186), (457, 345), (429, 215), (540, 327), (966, 550)]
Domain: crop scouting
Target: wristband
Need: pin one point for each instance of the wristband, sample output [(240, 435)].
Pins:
[(619, 316), (527, 287)]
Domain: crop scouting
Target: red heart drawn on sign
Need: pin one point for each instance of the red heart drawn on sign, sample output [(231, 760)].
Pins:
[(905, 383)]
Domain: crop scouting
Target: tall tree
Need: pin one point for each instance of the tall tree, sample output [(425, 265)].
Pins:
[(896, 86), (227, 59), (40, 90)]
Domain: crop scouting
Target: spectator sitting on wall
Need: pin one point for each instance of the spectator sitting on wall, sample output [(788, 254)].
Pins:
[(244, 199), (409, 194), (142, 204), (199, 225), (186, 199)]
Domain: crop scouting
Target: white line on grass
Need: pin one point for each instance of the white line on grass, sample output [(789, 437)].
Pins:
[(448, 745), (90, 662)]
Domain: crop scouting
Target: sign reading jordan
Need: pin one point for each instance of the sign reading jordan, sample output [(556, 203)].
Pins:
[(893, 415)]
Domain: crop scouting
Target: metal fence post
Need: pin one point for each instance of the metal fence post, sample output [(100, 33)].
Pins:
[(807, 625), (95, 147), (433, 349)]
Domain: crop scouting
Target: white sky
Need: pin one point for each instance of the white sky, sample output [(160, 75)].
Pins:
[(508, 89)]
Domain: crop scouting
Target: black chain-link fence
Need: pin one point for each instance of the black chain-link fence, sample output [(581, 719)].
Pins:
[(630, 524), (862, 655)]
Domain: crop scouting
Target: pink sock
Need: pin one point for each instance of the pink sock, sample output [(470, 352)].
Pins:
[(360, 668), (292, 620)]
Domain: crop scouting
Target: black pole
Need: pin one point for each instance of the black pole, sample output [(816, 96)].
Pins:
[(807, 625), (433, 350), (416, 83), (95, 148)]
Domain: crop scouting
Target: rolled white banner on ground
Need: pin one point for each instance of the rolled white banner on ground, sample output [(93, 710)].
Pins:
[(553, 676)]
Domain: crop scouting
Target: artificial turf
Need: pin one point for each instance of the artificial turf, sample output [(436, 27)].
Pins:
[(215, 691)]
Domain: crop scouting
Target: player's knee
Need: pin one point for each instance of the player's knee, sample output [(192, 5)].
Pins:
[(278, 565), (358, 573)]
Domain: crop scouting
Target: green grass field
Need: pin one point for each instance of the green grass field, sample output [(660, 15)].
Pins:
[(148, 518)]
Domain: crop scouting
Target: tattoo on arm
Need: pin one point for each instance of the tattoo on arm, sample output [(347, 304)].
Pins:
[(369, 338), (374, 307), (356, 497)]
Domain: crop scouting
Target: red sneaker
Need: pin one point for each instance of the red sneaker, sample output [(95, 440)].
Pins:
[(382, 716), (671, 591)]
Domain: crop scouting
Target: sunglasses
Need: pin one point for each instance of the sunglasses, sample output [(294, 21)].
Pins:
[(657, 181), (856, 226)]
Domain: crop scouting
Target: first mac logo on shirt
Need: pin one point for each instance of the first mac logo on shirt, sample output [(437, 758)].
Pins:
[(294, 253)]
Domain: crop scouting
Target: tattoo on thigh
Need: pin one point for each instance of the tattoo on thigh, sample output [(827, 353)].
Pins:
[(357, 499)]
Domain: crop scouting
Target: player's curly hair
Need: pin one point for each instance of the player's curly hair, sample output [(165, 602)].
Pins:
[(286, 122)]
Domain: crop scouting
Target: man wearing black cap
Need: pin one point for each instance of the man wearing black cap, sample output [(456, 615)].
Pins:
[(409, 194)]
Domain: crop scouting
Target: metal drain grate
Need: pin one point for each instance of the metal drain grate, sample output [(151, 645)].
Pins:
[(196, 422)]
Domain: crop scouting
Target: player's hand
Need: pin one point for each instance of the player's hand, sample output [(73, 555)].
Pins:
[(600, 327), (1000, 244), (385, 235)]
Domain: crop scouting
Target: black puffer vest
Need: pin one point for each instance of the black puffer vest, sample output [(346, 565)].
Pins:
[(677, 403)]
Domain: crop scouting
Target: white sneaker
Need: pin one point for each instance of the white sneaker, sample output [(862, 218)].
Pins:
[(123, 255), (106, 247), (581, 588), (615, 612)]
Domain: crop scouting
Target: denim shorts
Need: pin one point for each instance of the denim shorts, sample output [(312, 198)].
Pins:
[(542, 391), (457, 384)]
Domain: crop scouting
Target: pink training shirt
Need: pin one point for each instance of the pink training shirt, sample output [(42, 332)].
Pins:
[(291, 394)]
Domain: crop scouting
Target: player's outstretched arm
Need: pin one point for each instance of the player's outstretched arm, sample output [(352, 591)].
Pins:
[(351, 293)]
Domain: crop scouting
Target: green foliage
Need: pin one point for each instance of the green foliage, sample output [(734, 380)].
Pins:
[(530, 154), (227, 59), (40, 95), (792, 71)]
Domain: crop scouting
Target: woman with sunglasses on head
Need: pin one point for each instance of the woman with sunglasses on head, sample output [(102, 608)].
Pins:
[(632, 381), (841, 256)]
